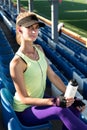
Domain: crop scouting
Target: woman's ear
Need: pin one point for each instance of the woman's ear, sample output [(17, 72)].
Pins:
[(19, 29)]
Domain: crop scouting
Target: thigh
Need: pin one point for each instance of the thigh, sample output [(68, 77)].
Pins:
[(38, 114)]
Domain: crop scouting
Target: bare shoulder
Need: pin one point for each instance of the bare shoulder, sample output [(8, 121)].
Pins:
[(15, 62)]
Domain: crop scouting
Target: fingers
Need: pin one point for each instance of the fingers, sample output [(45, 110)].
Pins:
[(69, 102), (81, 109)]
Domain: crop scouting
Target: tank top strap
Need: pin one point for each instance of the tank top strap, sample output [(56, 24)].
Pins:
[(39, 51), (27, 59), (23, 57)]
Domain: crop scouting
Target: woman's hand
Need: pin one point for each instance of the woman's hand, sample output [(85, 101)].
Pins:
[(79, 104), (69, 101), (63, 102)]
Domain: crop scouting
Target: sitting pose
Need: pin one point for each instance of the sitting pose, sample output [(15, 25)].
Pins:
[(29, 70)]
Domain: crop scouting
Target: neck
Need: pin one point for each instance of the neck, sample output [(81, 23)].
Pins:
[(29, 50), (27, 47)]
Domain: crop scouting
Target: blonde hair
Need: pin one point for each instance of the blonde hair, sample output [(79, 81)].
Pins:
[(19, 17)]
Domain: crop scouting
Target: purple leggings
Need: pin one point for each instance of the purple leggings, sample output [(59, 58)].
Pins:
[(39, 114)]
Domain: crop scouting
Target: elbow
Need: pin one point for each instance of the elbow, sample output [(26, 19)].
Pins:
[(24, 100)]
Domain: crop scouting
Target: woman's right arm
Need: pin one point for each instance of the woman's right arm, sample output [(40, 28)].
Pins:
[(17, 67)]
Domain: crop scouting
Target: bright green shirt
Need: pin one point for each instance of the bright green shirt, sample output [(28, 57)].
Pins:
[(34, 78)]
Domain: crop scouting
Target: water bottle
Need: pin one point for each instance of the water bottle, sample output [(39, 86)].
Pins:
[(71, 89)]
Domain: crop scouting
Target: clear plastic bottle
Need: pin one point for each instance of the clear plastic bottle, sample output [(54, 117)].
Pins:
[(71, 89)]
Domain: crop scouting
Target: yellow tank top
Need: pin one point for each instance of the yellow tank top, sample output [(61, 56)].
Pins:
[(34, 78)]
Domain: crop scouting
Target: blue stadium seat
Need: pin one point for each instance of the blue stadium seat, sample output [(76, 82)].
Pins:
[(6, 54), (59, 74), (8, 21), (84, 113), (70, 56), (83, 58), (1, 84), (4, 42), (7, 82), (80, 78), (6, 78), (8, 112), (5, 59), (13, 125), (85, 89), (5, 50)]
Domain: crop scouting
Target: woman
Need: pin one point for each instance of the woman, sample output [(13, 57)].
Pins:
[(29, 70)]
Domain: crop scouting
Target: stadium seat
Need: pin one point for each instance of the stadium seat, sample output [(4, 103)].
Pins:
[(1, 84), (13, 125), (59, 74), (5, 59), (8, 112), (8, 21), (7, 82), (84, 113), (5, 50)]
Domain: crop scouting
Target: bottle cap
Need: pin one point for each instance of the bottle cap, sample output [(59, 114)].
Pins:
[(74, 82)]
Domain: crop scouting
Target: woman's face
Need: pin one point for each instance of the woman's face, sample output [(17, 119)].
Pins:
[(30, 33)]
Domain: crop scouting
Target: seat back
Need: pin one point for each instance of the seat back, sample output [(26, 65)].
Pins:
[(7, 81), (13, 125), (1, 84), (8, 112), (7, 101)]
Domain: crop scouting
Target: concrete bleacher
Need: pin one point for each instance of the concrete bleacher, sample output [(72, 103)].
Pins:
[(68, 59)]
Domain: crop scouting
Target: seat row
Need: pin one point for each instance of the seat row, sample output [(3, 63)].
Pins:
[(67, 49), (66, 68)]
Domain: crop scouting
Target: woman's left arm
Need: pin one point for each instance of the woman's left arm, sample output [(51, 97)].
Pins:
[(58, 84), (55, 79)]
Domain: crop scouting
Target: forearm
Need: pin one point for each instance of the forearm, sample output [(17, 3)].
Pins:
[(38, 101), (55, 79), (58, 83)]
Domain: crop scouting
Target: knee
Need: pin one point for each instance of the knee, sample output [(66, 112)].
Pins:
[(59, 110)]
